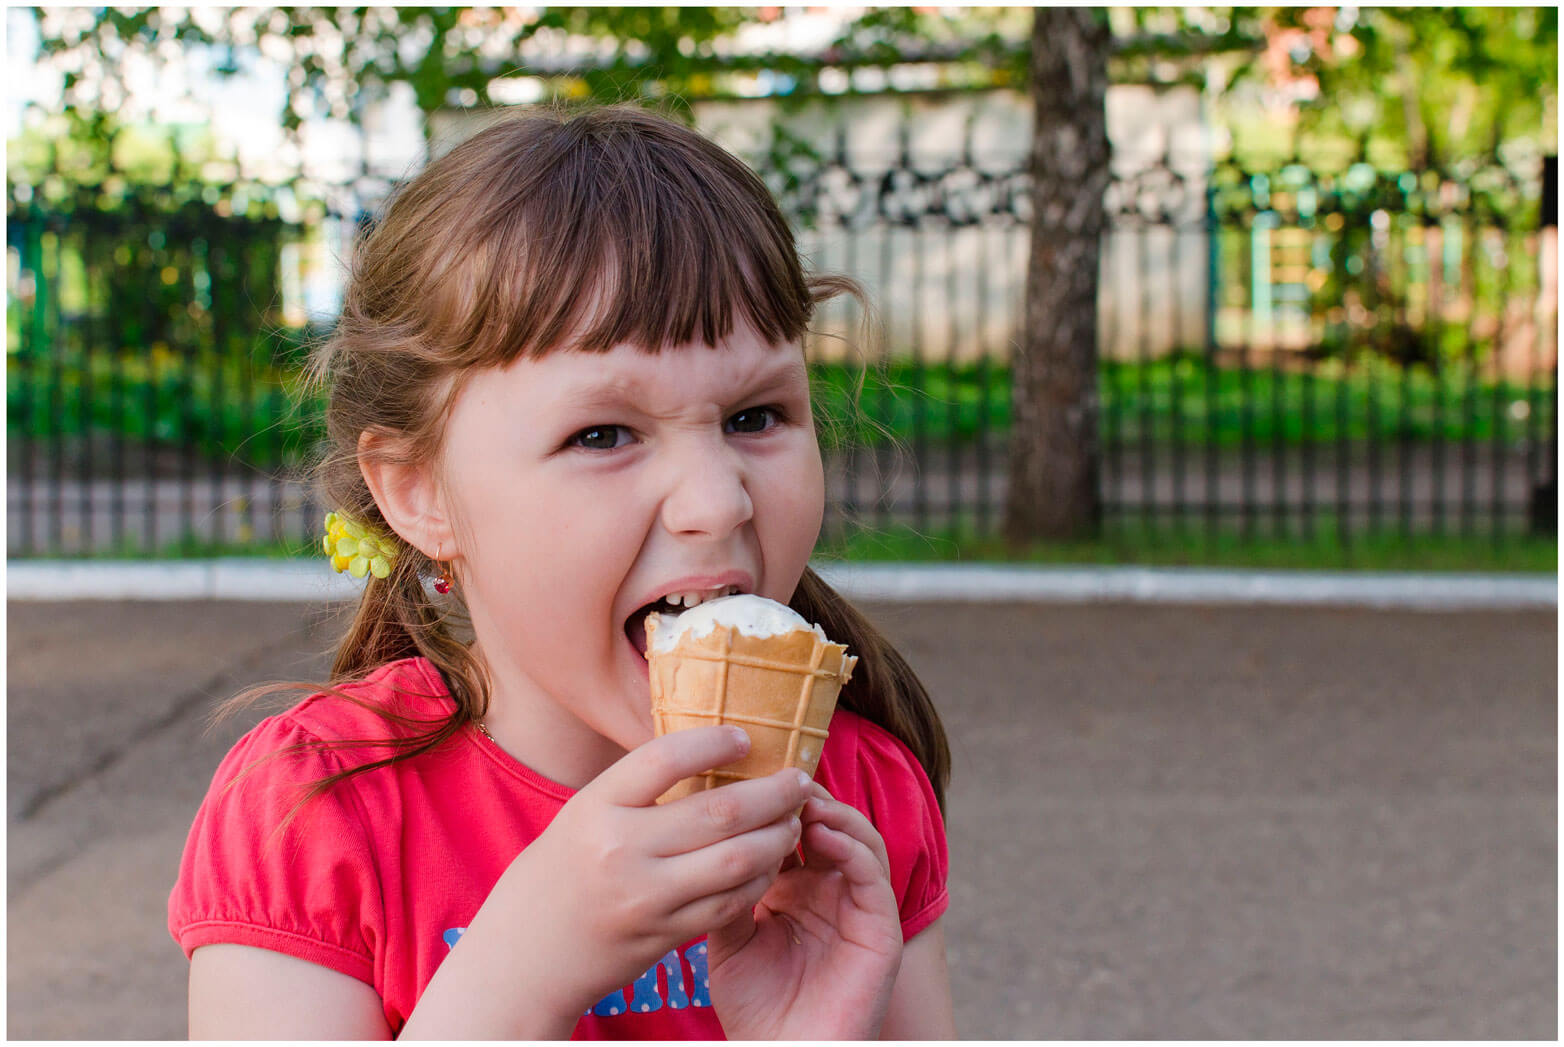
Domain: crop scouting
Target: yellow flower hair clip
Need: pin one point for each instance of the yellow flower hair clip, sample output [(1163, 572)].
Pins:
[(358, 549)]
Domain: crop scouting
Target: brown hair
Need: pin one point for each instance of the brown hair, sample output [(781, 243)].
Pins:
[(552, 230)]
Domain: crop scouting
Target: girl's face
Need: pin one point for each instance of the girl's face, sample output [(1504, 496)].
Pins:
[(582, 487)]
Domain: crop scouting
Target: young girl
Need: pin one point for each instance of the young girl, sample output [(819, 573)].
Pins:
[(568, 382)]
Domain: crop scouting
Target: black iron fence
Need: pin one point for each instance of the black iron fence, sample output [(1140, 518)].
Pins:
[(1282, 351)]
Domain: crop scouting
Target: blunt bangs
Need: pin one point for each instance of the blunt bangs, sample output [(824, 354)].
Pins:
[(608, 228)]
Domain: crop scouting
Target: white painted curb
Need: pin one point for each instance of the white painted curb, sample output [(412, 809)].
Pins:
[(239, 579), (1190, 585), (314, 581)]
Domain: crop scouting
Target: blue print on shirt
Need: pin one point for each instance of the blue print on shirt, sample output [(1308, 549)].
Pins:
[(644, 997), (701, 995)]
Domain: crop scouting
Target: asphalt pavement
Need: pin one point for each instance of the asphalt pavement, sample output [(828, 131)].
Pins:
[(1165, 821)]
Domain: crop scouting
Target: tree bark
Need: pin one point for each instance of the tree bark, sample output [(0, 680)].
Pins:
[(1054, 450)]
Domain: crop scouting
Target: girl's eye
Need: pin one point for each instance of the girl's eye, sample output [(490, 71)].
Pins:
[(753, 419), (598, 438)]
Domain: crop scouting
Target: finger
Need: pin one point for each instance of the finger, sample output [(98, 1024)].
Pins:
[(733, 862), (705, 818), (724, 911), (844, 818), (648, 771), (867, 880)]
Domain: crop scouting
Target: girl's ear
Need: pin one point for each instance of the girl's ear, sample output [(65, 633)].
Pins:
[(408, 495)]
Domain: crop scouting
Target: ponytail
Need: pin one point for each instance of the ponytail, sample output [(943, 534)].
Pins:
[(883, 688), (395, 619)]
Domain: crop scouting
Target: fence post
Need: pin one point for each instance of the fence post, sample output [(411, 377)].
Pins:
[(1545, 495)]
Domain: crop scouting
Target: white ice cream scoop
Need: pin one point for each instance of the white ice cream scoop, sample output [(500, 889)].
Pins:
[(749, 614)]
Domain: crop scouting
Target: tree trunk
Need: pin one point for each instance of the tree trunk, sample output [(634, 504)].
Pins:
[(1054, 452)]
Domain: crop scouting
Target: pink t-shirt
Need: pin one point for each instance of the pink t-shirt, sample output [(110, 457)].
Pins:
[(378, 877)]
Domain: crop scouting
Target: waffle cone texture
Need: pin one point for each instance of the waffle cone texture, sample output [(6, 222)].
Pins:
[(780, 689)]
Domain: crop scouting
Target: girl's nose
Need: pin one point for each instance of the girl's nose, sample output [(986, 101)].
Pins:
[(708, 495)]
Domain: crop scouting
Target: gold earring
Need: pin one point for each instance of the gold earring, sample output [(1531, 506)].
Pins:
[(442, 584)]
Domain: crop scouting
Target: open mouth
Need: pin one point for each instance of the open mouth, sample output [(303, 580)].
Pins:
[(673, 604)]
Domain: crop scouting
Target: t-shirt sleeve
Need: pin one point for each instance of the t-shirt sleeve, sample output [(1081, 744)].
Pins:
[(893, 790), (252, 875)]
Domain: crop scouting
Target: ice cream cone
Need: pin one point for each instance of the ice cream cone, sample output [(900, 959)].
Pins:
[(780, 689)]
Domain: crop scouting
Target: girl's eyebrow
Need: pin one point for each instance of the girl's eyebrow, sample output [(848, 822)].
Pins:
[(620, 393)]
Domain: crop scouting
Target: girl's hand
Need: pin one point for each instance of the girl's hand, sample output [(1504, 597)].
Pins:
[(819, 956), (616, 881)]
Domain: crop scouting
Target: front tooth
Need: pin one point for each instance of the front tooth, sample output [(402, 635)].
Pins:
[(689, 600)]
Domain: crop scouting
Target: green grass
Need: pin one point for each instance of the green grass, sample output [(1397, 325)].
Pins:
[(1131, 543), (231, 404), (1123, 542), (1180, 397), (193, 548)]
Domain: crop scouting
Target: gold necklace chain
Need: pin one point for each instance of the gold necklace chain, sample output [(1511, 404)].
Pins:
[(483, 729)]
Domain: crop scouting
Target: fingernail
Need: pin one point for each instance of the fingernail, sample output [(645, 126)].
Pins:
[(741, 736), (803, 780), (798, 829)]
